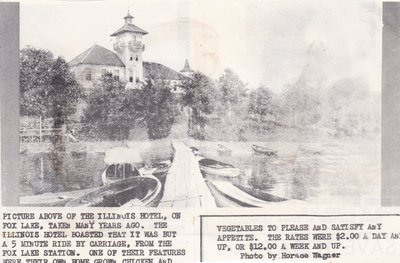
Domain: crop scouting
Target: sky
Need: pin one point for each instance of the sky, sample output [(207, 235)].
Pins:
[(269, 43)]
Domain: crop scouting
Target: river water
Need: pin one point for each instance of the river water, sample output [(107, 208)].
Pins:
[(343, 173), (340, 173)]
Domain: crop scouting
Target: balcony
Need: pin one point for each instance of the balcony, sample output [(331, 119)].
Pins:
[(133, 46)]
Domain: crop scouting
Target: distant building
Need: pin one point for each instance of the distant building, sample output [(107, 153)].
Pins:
[(125, 63), (187, 71)]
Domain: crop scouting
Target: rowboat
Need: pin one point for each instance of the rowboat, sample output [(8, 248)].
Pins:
[(310, 150), (160, 170), (215, 168), (145, 190), (263, 150), (120, 164)]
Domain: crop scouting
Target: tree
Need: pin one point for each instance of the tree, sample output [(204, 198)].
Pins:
[(199, 94), (112, 110), (158, 107), (232, 89), (261, 104), (47, 86), (232, 95)]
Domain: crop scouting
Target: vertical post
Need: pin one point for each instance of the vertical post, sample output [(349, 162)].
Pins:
[(40, 128), (41, 168)]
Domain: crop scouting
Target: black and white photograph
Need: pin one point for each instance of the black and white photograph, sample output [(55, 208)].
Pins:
[(209, 104)]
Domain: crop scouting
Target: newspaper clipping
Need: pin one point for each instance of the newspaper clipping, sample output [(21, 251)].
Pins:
[(199, 131)]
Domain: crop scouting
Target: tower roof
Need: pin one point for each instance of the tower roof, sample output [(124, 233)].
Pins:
[(97, 55), (128, 16), (129, 27), (186, 68)]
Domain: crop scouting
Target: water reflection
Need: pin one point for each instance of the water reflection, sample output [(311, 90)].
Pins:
[(43, 172), (276, 177), (262, 176), (49, 172)]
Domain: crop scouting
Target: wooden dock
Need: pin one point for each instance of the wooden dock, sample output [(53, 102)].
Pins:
[(184, 185)]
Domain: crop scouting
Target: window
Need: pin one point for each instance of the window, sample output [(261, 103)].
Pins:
[(137, 58), (88, 74), (131, 58)]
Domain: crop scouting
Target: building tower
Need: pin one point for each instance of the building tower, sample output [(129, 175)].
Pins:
[(187, 71), (129, 47)]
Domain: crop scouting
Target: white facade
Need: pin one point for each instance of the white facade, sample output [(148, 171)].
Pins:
[(129, 48)]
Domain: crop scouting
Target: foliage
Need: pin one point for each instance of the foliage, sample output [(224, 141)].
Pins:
[(199, 97), (111, 111), (232, 89), (301, 105), (261, 103), (158, 108), (47, 86)]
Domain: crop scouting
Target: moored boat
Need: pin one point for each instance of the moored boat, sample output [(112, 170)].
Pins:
[(120, 164), (160, 170), (215, 168), (264, 150), (310, 150), (146, 190)]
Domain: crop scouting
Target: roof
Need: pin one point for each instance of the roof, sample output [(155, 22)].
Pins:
[(97, 55), (186, 68), (128, 16), (129, 28), (158, 71)]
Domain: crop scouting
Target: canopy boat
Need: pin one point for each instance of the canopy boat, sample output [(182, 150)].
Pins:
[(120, 164), (263, 150), (215, 168), (143, 191)]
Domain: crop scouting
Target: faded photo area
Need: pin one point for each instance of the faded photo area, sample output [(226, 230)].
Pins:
[(175, 104)]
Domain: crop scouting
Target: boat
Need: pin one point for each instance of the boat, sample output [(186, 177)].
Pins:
[(229, 195), (161, 167), (159, 170), (264, 150), (215, 168), (143, 191), (222, 149), (120, 163), (310, 150)]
